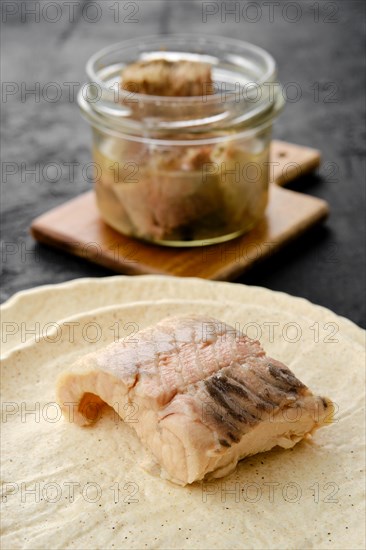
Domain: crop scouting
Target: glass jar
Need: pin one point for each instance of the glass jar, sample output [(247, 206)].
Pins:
[(183, 171)]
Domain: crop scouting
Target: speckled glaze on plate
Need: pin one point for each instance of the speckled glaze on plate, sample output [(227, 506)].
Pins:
[(310, 497), (35, 308)]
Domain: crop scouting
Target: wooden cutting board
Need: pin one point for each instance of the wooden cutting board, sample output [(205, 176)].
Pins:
[(77, 228)]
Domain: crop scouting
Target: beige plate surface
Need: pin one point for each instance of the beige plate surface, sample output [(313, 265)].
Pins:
[(310, 497), (31, 311)]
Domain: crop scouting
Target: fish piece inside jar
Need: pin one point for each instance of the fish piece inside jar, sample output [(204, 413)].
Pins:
[(179, 192)]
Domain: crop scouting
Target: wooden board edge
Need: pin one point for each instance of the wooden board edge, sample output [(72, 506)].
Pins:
[(307, 166), (228, 273), (52, 240)]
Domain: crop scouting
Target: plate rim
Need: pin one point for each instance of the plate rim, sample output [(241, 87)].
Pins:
[(353, 331)]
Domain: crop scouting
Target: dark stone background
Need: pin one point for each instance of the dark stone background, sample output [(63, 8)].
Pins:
[(326, 266)]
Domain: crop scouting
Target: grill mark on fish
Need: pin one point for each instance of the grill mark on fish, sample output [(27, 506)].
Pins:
[(276, 388), (217, 396), (217, 392), (286, 377), (224, 443), (264, 404), (221, 385), (227, 426), (230, 387), (233, 437)]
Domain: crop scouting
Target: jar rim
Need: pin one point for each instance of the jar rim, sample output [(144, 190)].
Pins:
[(101, 123), (234, 63)]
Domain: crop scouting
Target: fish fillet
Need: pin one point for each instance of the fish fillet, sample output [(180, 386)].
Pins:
[(205, 396), (168, 78)]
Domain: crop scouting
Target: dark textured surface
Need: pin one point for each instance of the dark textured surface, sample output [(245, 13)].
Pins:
[(326, 266)]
